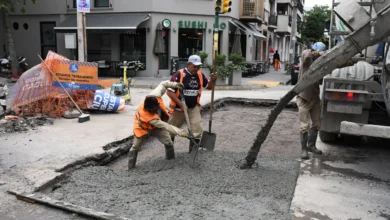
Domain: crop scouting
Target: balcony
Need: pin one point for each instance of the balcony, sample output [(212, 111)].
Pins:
[(252, 10), (284, 24), (273, 21)]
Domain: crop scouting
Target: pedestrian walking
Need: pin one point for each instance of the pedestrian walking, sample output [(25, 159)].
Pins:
[(309, 103), (276, 60), (151, 120), (194, 81)]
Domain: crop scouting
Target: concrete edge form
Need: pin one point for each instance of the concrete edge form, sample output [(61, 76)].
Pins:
[(36, 198), (379, 131)]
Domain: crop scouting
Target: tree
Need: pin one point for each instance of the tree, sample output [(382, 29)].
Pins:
[(8, 6), (314, 26), (335, 58)]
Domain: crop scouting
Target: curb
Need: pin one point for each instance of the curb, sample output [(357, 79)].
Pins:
[(246, 87)]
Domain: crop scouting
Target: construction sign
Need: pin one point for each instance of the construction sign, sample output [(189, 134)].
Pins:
[(76, 75)]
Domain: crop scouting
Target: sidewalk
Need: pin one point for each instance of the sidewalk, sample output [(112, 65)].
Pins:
[(270, 79)]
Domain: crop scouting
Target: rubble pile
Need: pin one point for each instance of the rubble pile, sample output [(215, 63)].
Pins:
[(3, 94), (21, 124)]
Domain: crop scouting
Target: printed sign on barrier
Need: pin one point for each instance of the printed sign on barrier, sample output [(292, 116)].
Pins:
[(76, 75), (105, 102)]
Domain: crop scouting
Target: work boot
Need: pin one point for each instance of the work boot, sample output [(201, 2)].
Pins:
[(191, 145), (132, 159), (169, 152), (311, 143), (304, 154)]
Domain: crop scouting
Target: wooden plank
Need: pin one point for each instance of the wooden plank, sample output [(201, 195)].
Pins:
[(40, 198)]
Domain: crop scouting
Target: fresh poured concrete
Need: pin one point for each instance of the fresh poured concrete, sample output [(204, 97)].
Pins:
[(214, 189)]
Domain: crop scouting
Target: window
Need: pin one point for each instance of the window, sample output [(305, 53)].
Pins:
[(74, 3), (99, 46), (16, 26), (133, 46), (102, 3), (190, 42)]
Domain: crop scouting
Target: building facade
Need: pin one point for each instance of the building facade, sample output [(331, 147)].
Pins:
[(281, 14), (125, 30)]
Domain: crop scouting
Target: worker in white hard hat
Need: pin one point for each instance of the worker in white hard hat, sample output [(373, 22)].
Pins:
[(309, 103), (194, 81)]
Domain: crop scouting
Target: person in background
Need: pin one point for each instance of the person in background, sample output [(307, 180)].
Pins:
[(276, 60), (194, 81), (309, 103), (150, 119)]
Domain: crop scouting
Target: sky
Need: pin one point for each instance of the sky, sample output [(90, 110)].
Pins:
[(310, 3)]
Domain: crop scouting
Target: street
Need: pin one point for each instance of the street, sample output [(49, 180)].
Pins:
[(29, 160)]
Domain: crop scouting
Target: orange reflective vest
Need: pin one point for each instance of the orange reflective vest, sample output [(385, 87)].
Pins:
[(142, 119), (172, 104)]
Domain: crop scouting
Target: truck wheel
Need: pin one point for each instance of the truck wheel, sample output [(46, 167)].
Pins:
[(328, 137)]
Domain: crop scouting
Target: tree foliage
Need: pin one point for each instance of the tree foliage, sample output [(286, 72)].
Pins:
[(10, 5), (314, 26)]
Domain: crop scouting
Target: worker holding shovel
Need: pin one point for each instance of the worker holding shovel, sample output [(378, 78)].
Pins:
[(150, 119), (309, 103), (194, 81)]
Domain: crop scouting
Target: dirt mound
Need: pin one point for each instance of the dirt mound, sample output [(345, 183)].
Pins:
[(24, 124)]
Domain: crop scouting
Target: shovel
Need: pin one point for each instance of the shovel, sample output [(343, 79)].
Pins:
[(208, 138), (194, 151)]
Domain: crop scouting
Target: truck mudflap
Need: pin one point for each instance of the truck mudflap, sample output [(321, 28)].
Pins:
[(352, 128)]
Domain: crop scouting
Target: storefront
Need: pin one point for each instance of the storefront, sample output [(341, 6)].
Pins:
[(114, 38)]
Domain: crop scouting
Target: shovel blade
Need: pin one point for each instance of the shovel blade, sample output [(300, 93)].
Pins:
[(208, 140), (194, 153)]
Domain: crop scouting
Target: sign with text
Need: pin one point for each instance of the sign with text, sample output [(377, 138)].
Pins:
[(76, 75), (106, 102), (83, 6)]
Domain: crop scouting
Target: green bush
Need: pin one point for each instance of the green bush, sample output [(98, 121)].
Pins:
[(236, 59), (203, 55), (237, 62), (221, 58)]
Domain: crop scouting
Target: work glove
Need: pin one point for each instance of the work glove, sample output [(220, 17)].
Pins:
[(180, 86), (186, 134)]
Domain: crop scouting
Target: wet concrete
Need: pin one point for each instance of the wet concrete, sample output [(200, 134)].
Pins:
[(214, 189), (348, 182)]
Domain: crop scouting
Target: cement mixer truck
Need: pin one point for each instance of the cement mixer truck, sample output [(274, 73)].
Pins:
[(356, 99)]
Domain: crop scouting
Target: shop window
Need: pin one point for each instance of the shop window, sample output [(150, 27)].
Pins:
[(102, 3), (133, 46), (164, 57), (190, 42), (99, 46)]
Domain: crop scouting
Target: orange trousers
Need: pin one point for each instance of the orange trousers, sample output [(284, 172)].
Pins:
[(276, 64)]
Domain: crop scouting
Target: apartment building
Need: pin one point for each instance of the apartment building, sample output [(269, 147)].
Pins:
[(125, 30), (281, 12)]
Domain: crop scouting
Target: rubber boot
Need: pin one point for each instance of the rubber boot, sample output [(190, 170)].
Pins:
[(304, 153), (169, 152), (191, 145), (313, 132), (132, 159)]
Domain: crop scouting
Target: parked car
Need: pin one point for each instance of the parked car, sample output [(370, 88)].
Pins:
[(295, 71)]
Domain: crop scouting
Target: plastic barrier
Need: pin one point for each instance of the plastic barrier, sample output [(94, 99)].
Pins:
[(105, 102)]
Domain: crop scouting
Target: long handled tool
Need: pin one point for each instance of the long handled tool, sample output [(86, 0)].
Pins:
[(83, 117), (195, 148)]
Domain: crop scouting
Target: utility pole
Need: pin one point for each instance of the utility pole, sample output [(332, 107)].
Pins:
[(293, 38), (82, 7)]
